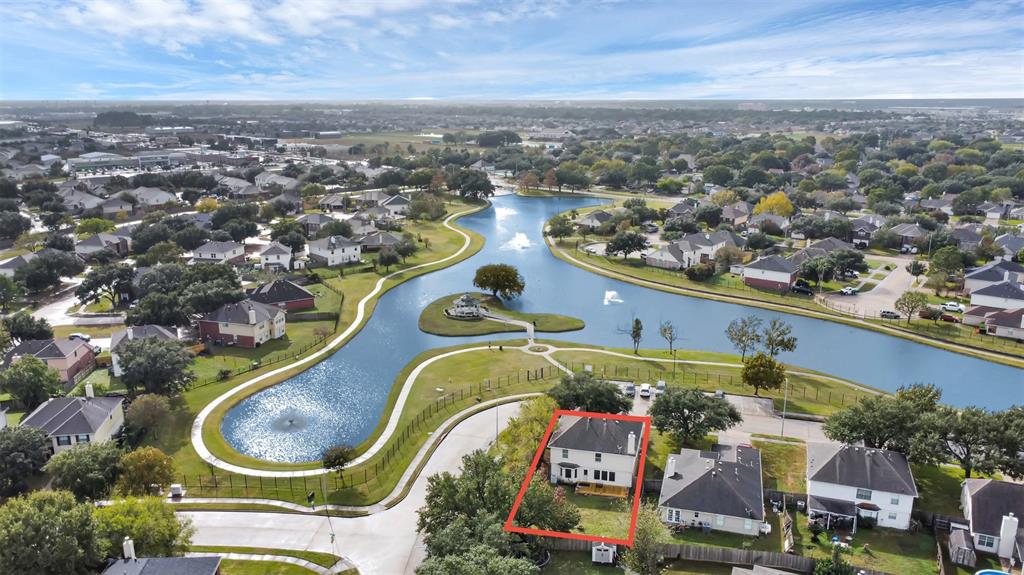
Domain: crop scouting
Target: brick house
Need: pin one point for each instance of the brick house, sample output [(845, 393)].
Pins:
[(72, 358), (770, 272), (246, 324), (283, 293)]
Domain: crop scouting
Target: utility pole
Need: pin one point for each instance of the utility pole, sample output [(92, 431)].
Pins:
[(785, 405)]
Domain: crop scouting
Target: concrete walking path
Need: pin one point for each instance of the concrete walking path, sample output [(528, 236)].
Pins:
[(197, 425)]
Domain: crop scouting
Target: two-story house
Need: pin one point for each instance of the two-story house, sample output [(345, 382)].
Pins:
[(70, 421), (311, 223), (721, 489), (594, 450), (131, 333), (334, 251), (72, 359), (692, 249), (276, 256), (770, 272), (993, 510), (849, 484), (219, 253), (246, 324)]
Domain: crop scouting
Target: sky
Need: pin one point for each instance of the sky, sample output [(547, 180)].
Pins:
[(509, 50)]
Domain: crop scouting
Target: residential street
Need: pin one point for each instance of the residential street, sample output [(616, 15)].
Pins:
[(883, 296), (384, 543)]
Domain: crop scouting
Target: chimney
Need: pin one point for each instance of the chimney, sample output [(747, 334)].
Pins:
[(631, 444), (252, 315), (1007, 536), (670, 467), (129, 548), (89, 390)]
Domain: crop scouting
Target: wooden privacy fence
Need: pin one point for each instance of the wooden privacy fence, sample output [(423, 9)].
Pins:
[(725, 555)]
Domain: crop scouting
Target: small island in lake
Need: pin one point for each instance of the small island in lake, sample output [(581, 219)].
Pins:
[(476, 313)]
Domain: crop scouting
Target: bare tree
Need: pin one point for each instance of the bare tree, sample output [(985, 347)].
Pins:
[(635, 332), (744, 333), (671, 336)]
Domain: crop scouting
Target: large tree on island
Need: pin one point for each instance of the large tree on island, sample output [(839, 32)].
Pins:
[(502, 280), (690, 414)]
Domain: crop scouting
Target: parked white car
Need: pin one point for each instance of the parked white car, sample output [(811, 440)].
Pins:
[(645, 390), (659, 388), (954, 306), (849, 290)]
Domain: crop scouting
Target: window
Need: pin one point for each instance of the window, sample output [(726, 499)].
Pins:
[(986, 541), (597, 457), (864, 494), (63, 440), (674, 515), (696, 514), (565, 454), (892, 516), (894, 500), (604, 475), (82, 438)]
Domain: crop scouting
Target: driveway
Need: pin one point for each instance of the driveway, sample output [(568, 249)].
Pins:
[(385, 543), (883, 296)]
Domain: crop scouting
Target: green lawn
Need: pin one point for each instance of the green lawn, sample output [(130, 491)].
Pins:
[(602, 516), (807, 393), (236, 567), (939, 487), (433, 320), (321, 559), (783, 467), (904, 553), (715, 538), (61, 331)]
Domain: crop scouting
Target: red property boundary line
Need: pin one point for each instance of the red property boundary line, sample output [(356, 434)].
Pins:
[(646, 420)]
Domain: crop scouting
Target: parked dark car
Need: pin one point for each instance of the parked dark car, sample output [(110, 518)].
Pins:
[(801, 290), (802, 283), (950, 318)]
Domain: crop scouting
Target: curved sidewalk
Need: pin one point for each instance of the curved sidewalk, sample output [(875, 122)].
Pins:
[(197, 425)]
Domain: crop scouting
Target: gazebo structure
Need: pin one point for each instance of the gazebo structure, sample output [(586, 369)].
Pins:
[(465, 307), (961, 548), (836, 513)]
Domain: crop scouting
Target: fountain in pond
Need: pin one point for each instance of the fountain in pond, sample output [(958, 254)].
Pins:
[(611, 296), (290, 421)]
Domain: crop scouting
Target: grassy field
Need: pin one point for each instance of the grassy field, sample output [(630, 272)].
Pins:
[(891, 551), (939, 487), (433, 320), (236, 567), (783, 467), (602, 516), (807, 393), (321, 559), (62, 331)]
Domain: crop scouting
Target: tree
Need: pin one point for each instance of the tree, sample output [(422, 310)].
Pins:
[(472, 184), (718, 174), (407, 247), (726, 257), (584, 392), (5, 338), (761, 371), (48, 533), (46, 270), (818, 269), (910, 302), (936, 281), (387, 258), (883, 421), (10, 291), (158, 366), (517, 443), (480, 560), (23, 451), (626, 243), (845, 261), (776, 203), (643, 555), (551, 179), (917, 267), (965, 436), (143, 468), (1008, 441), (834, 565), (636, 333), (559, 227), (667, 331), (110, 282), (88, 471), (501, 280), (161, 253), (151, 523), (778, 337), (30, 382), (528, 181), (92, 226), (948, 260), (337, 457), (24, 326), (336, 229), (207, 205), (745, 334), (690, 414), (12, 225), (146, 412)]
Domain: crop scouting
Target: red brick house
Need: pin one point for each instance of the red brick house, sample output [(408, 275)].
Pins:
[(771, 272), (246, 324), (72, 358), (283, 293)]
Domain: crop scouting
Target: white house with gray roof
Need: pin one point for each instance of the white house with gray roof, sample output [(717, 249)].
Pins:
[(69, 421), (218, 253), (276, 255), (849, 484), (134, 332), (719, 489), (993, 510), (594, 450), (1003, 295), (334, 251), (993, 273)]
